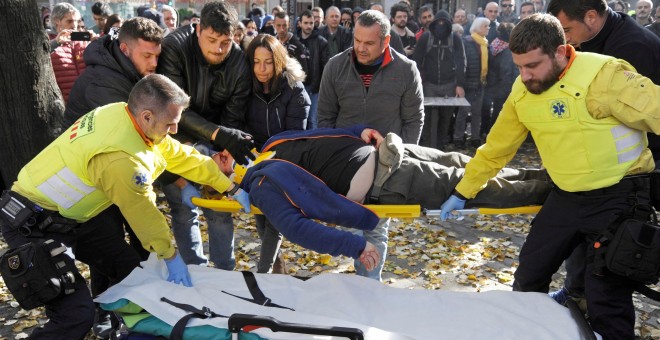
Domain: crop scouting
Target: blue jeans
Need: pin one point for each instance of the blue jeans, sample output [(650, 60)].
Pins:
[(188, 237), (312, 120), (378, 237), (185, 227)]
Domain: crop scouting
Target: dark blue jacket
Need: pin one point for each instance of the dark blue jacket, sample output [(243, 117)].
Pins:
[(353, 131), (473, 64), (286, 110), (502, 73), (292, 198)]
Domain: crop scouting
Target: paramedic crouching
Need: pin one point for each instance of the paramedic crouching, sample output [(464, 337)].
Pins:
[(109, 156), (586, 113)]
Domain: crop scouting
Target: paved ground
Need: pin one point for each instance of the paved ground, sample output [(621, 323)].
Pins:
[(475, 254)]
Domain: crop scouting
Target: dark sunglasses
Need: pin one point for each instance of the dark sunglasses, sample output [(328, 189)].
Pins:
[(509, 5)]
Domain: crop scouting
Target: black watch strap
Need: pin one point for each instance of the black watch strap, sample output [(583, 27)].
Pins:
[(233, 190)]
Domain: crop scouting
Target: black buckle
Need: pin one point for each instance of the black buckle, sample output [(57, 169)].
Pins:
[(18, 210)]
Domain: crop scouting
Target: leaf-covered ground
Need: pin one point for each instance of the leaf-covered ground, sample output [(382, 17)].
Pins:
[(475, 254)]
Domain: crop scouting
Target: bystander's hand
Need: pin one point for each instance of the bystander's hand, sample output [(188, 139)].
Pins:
[(63, 37), (237, 142), (460, 92), (372, 136), (369, 257)]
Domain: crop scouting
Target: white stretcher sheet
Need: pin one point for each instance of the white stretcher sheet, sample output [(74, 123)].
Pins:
[(382, 312)]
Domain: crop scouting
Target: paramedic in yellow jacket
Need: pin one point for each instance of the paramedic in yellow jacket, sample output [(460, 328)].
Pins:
[(109, 156), (587, 114)]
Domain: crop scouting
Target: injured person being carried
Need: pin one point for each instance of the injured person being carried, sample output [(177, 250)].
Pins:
[(325, 174)]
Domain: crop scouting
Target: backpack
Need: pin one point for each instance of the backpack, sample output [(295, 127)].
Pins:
[(431, 42)]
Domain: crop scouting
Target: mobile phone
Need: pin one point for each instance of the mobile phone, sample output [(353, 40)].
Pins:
[(81, 36)]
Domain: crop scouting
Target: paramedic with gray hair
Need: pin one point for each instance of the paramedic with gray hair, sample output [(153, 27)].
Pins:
[(78, 188)]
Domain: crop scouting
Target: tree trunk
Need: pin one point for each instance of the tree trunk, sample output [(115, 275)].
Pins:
[(31, 105)]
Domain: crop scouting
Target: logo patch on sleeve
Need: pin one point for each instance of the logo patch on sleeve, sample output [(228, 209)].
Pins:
[(629, 75), (559, 109), (140, 179)]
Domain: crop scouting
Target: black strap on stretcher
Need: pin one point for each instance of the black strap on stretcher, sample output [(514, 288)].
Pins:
[(180, 326), (258, 296), (238, 321)]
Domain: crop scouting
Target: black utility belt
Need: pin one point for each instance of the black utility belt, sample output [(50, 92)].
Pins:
[(30, 219)]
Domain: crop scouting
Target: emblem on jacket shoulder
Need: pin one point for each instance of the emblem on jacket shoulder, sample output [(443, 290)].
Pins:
[(559, 109), (14, 262), (140, 179)]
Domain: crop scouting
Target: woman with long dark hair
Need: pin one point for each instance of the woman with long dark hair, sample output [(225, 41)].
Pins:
[(279, 101)]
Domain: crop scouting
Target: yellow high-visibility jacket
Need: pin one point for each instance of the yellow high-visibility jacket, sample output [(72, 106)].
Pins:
[(587, 126), (103, 159)]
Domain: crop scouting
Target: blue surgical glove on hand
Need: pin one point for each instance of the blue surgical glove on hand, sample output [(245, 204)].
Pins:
[(243, 198), (453, 203), (178, 271), (187, 193)]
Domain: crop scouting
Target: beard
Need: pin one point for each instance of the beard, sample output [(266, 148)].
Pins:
[(542, 85)]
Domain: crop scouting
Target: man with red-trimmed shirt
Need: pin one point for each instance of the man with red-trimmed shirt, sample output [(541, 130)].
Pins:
[(372, 84)]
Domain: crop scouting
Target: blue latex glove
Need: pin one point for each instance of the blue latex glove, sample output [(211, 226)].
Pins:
[(453, 203), (243, 198), (178, 271), (187, 193)]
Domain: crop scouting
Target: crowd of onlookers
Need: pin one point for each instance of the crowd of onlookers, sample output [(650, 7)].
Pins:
[(462, 54)]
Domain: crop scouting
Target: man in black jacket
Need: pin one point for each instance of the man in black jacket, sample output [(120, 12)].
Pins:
[(591, 26), (318, 57), (440, 58), (114, 65), (293, 46), (204, 61)]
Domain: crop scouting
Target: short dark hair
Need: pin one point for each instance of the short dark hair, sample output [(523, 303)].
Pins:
[(220, 17), (346, 10), (424, 9), (528, 3), (576, 9), (156, 92), (537, 31), (112, 19), (372, 17), (101, 8), (281, 15), (504, 31), (307, 13), (399, 7), (140, 28)]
